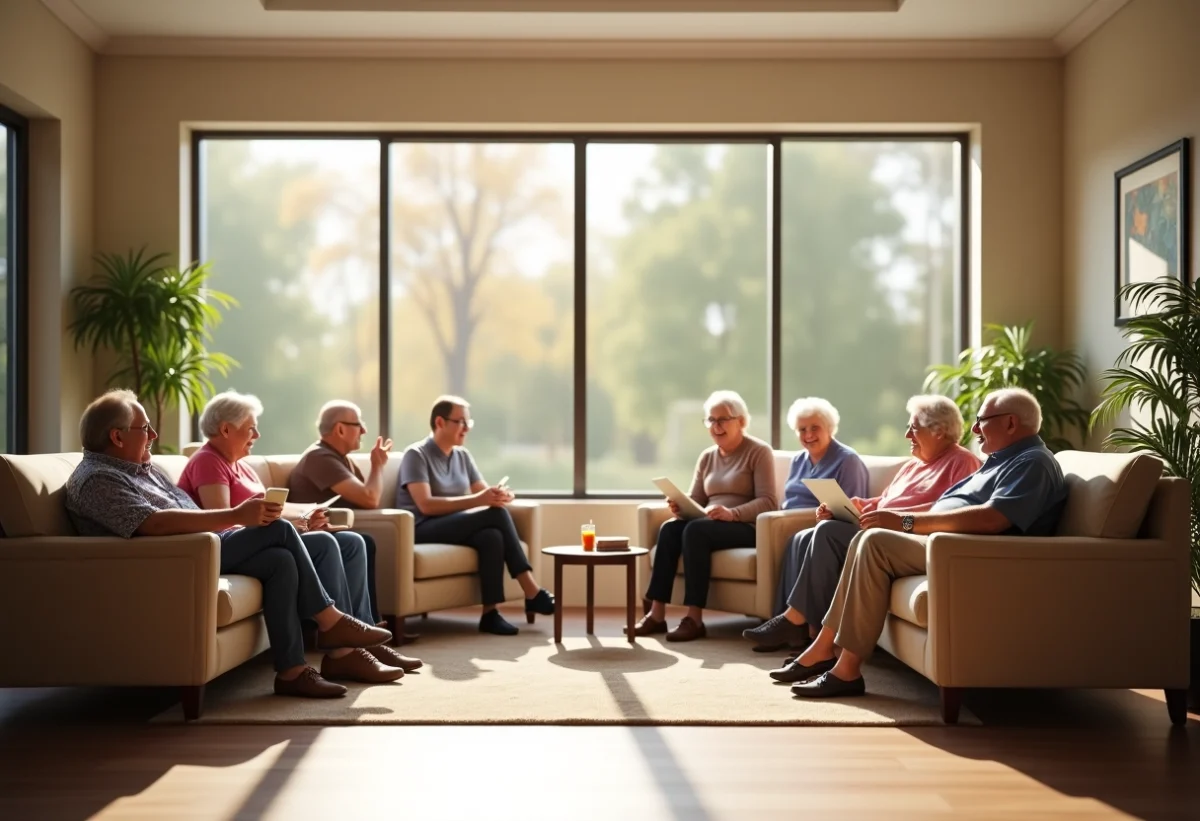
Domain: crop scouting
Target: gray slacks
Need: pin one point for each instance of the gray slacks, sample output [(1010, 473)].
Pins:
[(275, 555), (811, 568)]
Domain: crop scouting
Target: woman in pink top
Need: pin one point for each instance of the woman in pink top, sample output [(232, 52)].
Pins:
[(216, 477), (813, 563)]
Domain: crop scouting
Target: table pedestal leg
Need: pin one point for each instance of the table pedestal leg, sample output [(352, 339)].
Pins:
[(591, 597), (630, 572), (558, 600)]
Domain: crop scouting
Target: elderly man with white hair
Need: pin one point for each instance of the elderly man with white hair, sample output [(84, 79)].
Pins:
[(1018, 491), (734, 481), (814, 560)]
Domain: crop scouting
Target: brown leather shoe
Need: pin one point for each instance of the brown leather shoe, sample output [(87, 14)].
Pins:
[(688, 630), (359, 665), (391, 658), (308, 684), (647, 625), (350, 632)]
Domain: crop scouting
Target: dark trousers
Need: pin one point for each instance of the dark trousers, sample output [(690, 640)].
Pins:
[(341, 562), (276, 556), (696, 540), (811, 568), (493, 536)]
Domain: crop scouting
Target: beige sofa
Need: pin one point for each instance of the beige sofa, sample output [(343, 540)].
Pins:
[(410, 578), (138, 612), (744, 578), (1104, 603)]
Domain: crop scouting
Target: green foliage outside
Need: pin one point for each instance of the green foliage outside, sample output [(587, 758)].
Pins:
[(1054, 377), (697, 238), (1157, 380)]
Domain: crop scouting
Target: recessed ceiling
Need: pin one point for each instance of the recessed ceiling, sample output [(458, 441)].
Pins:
[(1015, 28)]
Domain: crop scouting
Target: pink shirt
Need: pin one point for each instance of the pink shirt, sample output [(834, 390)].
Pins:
[(208, 467), (919, 484)]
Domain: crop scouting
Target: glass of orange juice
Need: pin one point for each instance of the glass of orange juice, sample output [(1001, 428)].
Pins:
[(588, 533)]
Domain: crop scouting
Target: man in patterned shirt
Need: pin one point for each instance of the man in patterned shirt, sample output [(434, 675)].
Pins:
[(116, 491)]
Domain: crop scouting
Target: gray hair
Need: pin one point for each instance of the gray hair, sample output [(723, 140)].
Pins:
[(727, 399), (107, 412), (328, 417), (229, 407), (1019, 402), (814, 406), (938, 413)]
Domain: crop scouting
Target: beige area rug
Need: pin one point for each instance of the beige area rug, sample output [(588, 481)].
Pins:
[(471, 678)]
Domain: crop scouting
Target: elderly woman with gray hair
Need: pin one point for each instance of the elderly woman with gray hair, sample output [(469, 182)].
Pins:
[(217, 478), (734, 481), (815, 558)]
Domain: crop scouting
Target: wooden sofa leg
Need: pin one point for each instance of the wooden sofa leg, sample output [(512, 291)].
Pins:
[(951, 702), (396, 625), (529, 614), (1177, 706), (192, 699)]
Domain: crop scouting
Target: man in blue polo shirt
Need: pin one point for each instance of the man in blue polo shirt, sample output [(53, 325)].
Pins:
[(1019, 491)]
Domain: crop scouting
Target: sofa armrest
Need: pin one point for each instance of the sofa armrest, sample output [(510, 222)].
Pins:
[(1057, 612), (395, 568), (773, 531), (341, 516), (527, 516), (139, 611)]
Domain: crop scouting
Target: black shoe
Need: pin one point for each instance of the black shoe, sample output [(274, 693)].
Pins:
[(830, 686), (777, 633), (542, 603), (794, 671), (493, 622)]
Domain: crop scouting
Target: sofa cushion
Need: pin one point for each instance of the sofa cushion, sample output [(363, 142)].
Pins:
[(1107, 493), (738, 564), (33, 492), (910, 600), (435, 560), (238, 597)]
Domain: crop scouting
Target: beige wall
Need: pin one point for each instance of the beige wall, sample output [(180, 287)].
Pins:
[(1130, 89), (145, 104), (47, 74)]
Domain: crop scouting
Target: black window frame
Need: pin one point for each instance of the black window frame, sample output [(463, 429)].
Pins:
[(581, 139), (17, 194)]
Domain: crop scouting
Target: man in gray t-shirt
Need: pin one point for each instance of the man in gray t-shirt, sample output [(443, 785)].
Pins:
[(444, 490)]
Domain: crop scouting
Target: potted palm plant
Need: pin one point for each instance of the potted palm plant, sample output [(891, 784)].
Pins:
[(1009, 362), (158, 320), (1158, 374)]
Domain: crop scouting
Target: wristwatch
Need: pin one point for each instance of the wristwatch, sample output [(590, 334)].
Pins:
[(907, 522)]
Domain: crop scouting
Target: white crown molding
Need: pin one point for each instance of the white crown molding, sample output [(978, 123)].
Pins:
[(77, 21), (585, 49), (589, 6), (1086, 22)]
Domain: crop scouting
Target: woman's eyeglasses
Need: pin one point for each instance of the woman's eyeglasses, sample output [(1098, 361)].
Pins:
[(714, 421)]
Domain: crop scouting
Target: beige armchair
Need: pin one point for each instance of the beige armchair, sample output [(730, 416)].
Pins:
[(744, 579)]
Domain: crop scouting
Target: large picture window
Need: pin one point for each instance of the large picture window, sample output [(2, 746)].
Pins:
[(584, 292), (13, 165)]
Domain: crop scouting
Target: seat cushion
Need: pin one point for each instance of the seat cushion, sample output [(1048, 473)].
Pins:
[(1107, 493), (435, 560), (910, 600), (736, 564), (238, 597)]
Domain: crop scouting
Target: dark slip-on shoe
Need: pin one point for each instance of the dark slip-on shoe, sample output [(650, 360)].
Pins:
[(829, 686), (794, 671)]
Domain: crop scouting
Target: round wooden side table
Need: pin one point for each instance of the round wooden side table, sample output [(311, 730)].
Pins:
[(575, 554)]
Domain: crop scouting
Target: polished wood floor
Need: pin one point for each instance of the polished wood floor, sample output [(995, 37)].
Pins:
[(89, 753)]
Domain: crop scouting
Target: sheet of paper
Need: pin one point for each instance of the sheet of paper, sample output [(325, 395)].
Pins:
[(830, 493), (688, 509)]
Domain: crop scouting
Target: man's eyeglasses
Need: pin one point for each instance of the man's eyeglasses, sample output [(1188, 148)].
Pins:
[(979, 420), (146, 428), (714, 421), (354, 424), (467, 423)]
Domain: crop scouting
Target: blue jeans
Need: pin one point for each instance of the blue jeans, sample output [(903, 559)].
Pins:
[(276, 556), (341, 562)]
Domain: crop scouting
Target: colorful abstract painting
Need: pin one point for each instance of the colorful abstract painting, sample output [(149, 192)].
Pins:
[(1152, 220)]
